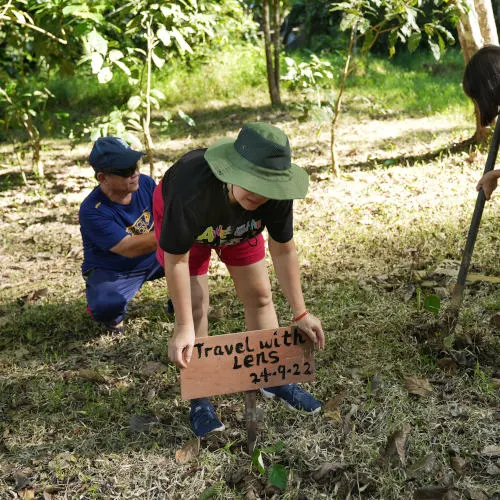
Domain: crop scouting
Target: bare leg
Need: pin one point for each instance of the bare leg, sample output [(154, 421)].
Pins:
[(199, 301), (254, 290)]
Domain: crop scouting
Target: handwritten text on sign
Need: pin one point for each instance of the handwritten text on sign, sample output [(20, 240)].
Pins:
[(245, 361)]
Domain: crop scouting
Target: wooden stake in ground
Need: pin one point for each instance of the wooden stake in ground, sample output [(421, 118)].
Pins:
[(251, 418), (458, 290)]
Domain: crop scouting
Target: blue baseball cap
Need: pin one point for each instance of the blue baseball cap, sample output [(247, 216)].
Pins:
[(112, 152)]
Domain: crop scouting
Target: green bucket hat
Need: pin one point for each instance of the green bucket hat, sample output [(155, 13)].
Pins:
[(259, 160)]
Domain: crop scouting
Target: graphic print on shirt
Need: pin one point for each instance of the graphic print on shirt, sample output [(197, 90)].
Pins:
[(142, 224), (230, 235)]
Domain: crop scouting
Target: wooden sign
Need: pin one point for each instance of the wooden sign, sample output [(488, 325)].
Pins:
[(223, 364)]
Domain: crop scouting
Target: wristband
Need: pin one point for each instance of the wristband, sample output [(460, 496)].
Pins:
[(300, 316)]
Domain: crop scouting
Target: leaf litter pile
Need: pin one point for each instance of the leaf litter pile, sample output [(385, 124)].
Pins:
[(410, 410)]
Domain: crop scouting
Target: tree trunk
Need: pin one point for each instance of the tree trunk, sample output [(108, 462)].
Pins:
[(276, 44), (336, 111), (146, 121), (268, 44), (486, 18), (477, 28)]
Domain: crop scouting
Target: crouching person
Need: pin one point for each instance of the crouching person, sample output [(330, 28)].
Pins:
[(116, 223)]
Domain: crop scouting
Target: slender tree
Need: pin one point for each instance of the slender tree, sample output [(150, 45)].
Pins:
[(368, 20), (24, 72), (271, 26)]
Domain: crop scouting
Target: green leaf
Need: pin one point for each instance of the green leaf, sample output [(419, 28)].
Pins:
[(158, 94), (368, 40), (432, 303), (82, 11), (181, 42), (132, 139), (258, 461), (115, 55), (210, 492), (414, 41), (95, 134), (278, 476), (436, 51), (187, 118), (105, 75), (448, 341), (96, 62), (280, 445), (134, 102), (123, 67), (135, 125), (393, 38), (19, 15), (97, 42), (158, 61), (164, 35), (154, 102)]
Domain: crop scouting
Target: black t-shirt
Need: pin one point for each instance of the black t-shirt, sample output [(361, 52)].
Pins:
[(196, 208)]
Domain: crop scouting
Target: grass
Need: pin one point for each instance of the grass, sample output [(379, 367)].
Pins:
[(401, 86), (71, 396)]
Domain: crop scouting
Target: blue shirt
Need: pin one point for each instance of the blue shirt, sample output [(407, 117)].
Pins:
[(104, 223)]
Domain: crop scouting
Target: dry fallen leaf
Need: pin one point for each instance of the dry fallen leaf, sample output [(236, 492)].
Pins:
[(418, 386), (447, 365), (474, 494), (20, 479), (143, 423), (90, 375), (395, 449), (63, 460), (423, 467), (434, 493), (28, 494), (458, 464), (188, 452), (482, 277), (493, 469), (151, 367), (327, 471), (375, 384), (495, 320), (33, 296), (331, 408), (491, 451)]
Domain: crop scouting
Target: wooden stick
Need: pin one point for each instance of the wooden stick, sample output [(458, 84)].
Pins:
[(251, 418)]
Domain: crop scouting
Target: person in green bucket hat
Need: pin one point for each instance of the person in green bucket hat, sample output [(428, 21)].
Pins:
[(221, 199)]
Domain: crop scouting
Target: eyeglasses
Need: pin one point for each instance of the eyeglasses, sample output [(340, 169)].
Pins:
[(122, 172)]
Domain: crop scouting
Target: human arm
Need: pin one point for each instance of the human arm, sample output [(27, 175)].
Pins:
[(135, 245), (180, 347), (488, 183), (286, 266)]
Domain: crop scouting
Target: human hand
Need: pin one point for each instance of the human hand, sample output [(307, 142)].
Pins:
[(311, 325), (180, 347), (488, 183)]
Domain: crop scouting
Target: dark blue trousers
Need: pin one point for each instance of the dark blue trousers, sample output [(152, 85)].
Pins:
[(109, 292)]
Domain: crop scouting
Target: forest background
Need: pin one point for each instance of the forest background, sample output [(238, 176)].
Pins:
[(370, 95)]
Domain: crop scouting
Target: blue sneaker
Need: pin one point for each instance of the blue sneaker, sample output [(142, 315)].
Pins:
[(294, 397), (203, 418)]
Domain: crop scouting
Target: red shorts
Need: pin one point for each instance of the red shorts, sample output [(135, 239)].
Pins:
[(242, 254)]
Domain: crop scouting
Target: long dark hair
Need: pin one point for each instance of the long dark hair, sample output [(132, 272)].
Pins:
[(481, 81)]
